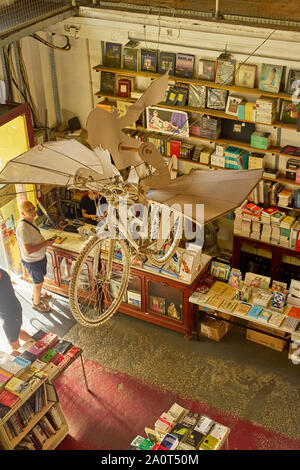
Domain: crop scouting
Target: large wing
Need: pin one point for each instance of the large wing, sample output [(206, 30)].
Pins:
[(53, 163), (220, 192), (154, 94)]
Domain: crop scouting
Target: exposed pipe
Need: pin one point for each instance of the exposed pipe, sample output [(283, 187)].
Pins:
[(217, 12)]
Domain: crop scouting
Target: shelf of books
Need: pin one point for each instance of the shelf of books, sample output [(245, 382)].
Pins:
[(273, 308), (182, 429), (31, 417)]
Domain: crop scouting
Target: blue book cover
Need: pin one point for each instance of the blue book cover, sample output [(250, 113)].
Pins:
[(255, 311), (22, 361)]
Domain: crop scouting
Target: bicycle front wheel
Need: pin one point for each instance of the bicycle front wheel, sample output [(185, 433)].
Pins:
[(99, 281)]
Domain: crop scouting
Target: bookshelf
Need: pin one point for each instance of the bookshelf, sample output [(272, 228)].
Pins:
[(12, 435), (195, 81)]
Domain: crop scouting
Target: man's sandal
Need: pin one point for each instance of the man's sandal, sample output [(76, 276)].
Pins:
[(41, 307), (44, 297)]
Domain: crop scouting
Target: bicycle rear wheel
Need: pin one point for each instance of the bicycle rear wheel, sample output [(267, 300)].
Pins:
[(99, 281)]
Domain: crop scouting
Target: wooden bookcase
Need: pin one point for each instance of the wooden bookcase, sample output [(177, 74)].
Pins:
[(9, 442)]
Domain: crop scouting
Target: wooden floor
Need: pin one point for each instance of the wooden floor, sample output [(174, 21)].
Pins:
[(275, 9)]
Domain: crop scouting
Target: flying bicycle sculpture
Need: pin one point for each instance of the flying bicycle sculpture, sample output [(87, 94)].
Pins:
[(133, 176)]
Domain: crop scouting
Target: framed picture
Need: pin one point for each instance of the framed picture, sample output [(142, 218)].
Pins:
[(167, 121), (216, 99), (270, 78), (184, 65), (134, 298), (157, 304), (173, 309), (148, 60), (289, 111), (233, 104), (225, 71), (206, 70), (245, 75), (293, 81)]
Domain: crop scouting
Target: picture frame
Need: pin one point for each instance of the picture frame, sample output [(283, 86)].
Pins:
[(167, 121), (225, 71), (289, 112), (232, 105), (245, 75), (173, 309), (216, 99), (184, 65), (124, 88), (270, 78), (293, 78), (206, 70), (157, 304)]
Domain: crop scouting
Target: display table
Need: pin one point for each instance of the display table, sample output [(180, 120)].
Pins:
[(202, 309), (149, 284)]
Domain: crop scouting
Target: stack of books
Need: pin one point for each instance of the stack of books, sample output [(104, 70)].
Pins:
[(266, 215), (256, 160), (256, 229), (285, 230), (285, 197), (266, 110), (236, 158), (210, 127), (276, 219)]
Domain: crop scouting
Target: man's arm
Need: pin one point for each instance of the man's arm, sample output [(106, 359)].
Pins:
[(33, 248)]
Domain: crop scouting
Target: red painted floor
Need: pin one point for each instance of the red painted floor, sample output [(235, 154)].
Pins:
[(119, 407)]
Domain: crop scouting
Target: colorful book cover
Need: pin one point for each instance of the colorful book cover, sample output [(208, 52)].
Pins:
[(294, 312), (38, 348), (130, 58), (167, 61), (113, 54), (48, 355), (148, 60), (255, 311), (264, 315), (8, 398), (184, 65), (146, 445)]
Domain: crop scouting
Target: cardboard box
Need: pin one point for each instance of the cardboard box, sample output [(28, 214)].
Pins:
[(214, 329), (266, 340), (294, 352), (267, 329)]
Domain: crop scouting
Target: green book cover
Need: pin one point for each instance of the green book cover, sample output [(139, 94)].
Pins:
[(48, 355)]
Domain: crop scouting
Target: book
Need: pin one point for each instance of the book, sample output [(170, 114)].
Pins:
[(7, 363), (62, 346), (180, 431), (197, 96), (209, 443), (169, 441), (216, 99), (40, 333), (206, 70), (50, 338), (4, 377), (195, 438), (177, 411), (73, 351), (204, 425), (113, 55), (184, 65), (8, 398), (130, 58), (29, 356), (255, 311), (108, 80), (294, 312), (149, 60), (48, 355), (264, 315), (22, 362), (164, 423), (190, 419), (137, 441), (167, 61), (153, 436), (38, 349), (18, 387), (243, 308), (225, 71)]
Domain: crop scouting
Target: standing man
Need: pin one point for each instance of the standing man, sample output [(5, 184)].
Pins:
[(33, 248), (11, 312)]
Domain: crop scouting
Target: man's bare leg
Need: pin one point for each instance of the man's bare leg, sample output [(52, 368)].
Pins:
[(24, 336), (37, 288)]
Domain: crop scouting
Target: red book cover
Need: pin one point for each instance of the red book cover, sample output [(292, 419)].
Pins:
[(8, 399), (175, 148), (73, 351), (158, 447), (298, 242), (270, 210), (294, 312), (38, 348), (49, 339)]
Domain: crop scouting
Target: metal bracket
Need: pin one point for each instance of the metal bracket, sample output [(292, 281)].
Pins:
[(72, 29)]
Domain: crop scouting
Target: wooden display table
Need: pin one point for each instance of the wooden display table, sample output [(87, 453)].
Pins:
[(147, 283)]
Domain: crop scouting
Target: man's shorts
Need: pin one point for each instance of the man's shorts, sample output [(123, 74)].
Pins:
[(37, 270)]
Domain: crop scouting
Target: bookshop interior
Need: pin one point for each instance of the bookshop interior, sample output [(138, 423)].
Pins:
[(149, 225)]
